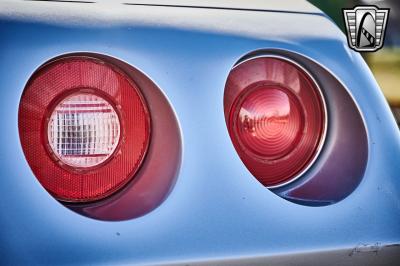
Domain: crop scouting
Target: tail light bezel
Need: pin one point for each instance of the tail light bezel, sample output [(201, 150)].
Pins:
[(158, 172)]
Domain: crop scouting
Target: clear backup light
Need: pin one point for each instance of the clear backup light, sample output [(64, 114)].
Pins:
[(83, 130)]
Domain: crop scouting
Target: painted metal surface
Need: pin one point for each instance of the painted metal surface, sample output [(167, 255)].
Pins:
[(217, 210), (267, 5)]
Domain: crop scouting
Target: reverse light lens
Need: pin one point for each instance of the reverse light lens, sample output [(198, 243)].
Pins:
[(276, 118), (83, 130)]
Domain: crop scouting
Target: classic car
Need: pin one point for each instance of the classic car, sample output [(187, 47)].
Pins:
[(191, 133)]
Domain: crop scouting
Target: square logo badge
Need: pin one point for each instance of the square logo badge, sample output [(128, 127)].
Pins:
[(366, 27)]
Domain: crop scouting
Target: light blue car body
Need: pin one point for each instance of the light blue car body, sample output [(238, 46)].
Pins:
[(217, 213)]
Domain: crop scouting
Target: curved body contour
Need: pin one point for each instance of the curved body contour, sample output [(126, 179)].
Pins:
[(217, 213)]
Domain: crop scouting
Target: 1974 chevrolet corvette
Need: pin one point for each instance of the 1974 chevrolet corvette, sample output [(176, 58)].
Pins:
[(191, 133)]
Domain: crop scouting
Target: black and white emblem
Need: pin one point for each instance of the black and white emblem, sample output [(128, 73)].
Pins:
[(365, 27)]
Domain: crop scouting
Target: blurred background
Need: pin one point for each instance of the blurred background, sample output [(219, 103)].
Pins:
[(384, 63)]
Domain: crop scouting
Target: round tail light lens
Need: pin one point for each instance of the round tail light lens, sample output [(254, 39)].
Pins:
[(84, 128), (276, 118), (268, 122)]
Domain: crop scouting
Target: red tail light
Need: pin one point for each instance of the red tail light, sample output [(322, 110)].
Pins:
[(276, 118), (84, 128)]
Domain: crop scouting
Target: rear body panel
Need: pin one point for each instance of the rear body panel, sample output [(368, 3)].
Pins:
[(255, 5), (217, 212)]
